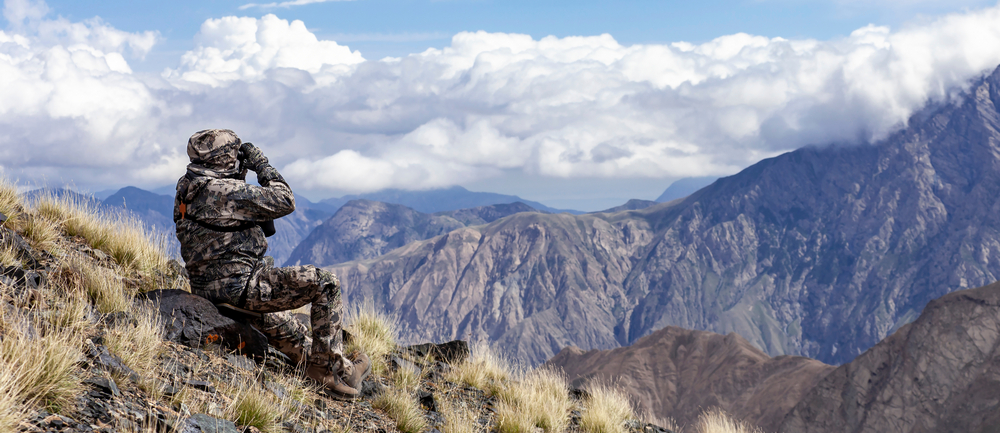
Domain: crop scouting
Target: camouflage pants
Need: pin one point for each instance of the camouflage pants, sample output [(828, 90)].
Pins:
[(278, 290)]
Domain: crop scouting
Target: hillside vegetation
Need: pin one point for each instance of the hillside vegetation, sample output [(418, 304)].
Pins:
[(81, 351)]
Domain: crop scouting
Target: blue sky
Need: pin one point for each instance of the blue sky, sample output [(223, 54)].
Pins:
[(579, 105), (380, 28)]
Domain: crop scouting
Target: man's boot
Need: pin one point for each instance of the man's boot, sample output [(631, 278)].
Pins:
[(335, 387), (355, 372)]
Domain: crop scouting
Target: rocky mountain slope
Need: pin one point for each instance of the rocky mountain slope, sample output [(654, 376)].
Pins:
[(940, 373), (364, 229), (821, 252), (676, 372)]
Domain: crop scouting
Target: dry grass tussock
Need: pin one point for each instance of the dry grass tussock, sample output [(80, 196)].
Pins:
[(717, 421), (105, 288), (459, 418), (138, 344), (42, 234), (36, 369), (125, 239), (485, 369), (10, 203), (373, 333), (8, 256), (251, 405), (402, 406), (539, 399), (606, 409)]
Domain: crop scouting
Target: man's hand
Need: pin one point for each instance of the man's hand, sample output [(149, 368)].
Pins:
[(253, 158)]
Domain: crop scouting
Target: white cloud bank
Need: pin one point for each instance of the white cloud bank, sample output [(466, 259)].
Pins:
[(490, 103)]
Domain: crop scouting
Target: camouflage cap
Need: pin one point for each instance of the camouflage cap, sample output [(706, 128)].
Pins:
[(214, 149)]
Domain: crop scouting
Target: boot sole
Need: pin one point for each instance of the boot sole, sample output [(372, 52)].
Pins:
[(340, 397)]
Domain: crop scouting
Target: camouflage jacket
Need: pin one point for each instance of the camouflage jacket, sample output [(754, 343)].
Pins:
[(221, 263)]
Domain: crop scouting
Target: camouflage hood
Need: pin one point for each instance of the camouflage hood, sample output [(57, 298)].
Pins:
[(214, 153)]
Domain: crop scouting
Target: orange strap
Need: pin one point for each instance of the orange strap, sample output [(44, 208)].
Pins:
[(183, 208)]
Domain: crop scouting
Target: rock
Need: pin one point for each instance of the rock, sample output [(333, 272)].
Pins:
[(104, 384), (201, 423), (426, 400), (107, 361), (194, 321), (24, 251), (398, 363), (201, 385), (244, 362), (370, 388), (276, 389), (452, 352)]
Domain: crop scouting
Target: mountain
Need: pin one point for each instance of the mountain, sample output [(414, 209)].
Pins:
[(633, 204), (684, 187), (486, 214), (677, 373), (940, 373), (62, 194), (440, 200), (820, 252), (363, 229), (153, 209)]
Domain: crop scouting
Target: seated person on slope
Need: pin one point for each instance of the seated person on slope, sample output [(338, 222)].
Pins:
[(219, 217)]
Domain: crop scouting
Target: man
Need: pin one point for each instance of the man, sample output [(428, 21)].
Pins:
[(219, 218)]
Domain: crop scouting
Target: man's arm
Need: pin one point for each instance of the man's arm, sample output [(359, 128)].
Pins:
[(240, 201)]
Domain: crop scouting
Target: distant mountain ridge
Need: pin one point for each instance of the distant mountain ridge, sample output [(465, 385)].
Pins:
[(940, 373), (364, 229), (440, 200), (677, 373), (821, 252)]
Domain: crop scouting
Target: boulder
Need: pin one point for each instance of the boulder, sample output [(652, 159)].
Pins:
[(451, 352), (201, 423), (194, 321)]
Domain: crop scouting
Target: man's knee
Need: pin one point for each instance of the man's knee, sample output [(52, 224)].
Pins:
[(328, 282)]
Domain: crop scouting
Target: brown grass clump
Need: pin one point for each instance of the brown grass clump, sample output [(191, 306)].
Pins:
[(71, 314), (716, 420), (373, 333), (540, 399), (106, 288), (39, 370), (402, 406), (123, 238), (253, 406), (140, 344), (10, 203), (41, 233), (8, 255), (485, 370), (459, 418), (605, 410), (77, 276)]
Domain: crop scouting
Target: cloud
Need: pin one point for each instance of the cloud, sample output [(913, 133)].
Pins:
[(390, 37), (17, 11), (286, 4), (489, 103)]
